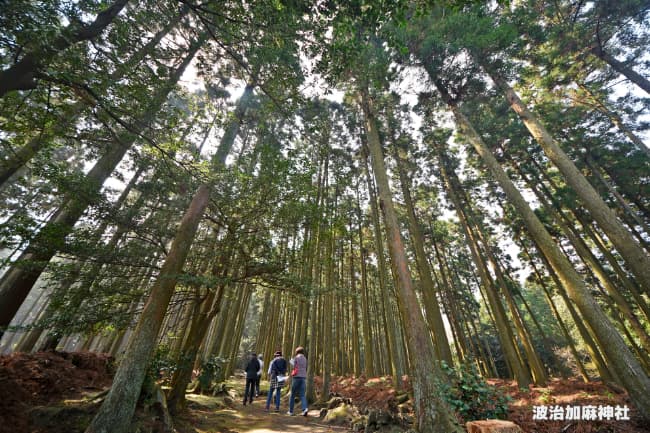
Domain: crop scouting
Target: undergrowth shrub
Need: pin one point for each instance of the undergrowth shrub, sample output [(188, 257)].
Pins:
[(160, 368), (209, 371), (470, 396)]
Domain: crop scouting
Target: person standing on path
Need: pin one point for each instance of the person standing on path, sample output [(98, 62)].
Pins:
[(259, 376), (252, 368), (298, 380), (277, 375)]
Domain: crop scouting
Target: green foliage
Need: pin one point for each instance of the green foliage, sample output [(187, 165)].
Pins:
[(209, 371), (160, 367), (470, 395)]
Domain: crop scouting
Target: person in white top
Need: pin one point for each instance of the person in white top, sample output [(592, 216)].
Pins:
[(259, 376)]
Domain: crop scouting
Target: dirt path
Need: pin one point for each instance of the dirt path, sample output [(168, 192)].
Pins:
[(208, 415)]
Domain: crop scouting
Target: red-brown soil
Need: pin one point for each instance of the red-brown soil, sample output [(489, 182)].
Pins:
[(573, 392), (379, 393), (44, 379), (30, 380)]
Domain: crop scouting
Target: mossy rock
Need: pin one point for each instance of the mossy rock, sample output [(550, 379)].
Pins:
[(66, 418), (342, 415), (376, 382)]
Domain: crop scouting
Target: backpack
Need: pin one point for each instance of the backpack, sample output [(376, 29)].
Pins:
[(279, 367)]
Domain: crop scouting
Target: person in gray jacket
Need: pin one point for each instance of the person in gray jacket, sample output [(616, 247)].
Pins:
[(298, 380)]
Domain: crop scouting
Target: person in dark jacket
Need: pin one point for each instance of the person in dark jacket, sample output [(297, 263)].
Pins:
[(252, 368), (277, 376)]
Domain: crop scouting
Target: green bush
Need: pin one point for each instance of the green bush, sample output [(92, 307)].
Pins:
[(209, 371), (160, 368), (471, 396)]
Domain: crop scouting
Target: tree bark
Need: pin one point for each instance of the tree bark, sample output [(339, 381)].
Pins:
[(623, 362), (431, 411), (23, 74), (636, 258), (432, 307), (389, 319), (114, 416)]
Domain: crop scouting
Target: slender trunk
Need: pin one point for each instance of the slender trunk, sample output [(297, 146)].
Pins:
[(10, 166), (636, 258), (623, 277), (115, 414), (356, 364), (19, 279), (199, 326), (616, 120), (431, 411), (558, 317), (368, 357), (623, 362), (432, 308), (594, 265), (622, 68), (389, 319), (22, 75), (506, 338), (625, 206)]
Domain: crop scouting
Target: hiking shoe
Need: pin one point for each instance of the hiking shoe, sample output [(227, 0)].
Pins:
[(277, 410), (290, 413), (304, 412)]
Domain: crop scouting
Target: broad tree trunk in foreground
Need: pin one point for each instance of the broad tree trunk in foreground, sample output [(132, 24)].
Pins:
[(623, 362), (115, 414), (433, 415)]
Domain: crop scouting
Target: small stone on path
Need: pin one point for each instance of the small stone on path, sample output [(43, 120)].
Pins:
[(493, 426)]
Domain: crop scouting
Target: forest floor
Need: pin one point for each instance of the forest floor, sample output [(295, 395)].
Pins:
[(207, 415), (58, 392)]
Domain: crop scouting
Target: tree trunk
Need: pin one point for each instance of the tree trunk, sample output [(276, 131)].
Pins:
[(183, 375), (432, 308), (20, 157), (594, 265), (22, 75), (623, 362), (368, 358), (431, 411), (615, 119), (391, 325), (19, 279), (636, 258), (505, 335), (622, 68), (115, 414)]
